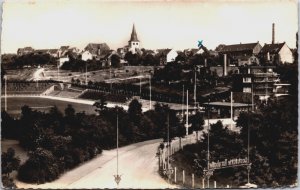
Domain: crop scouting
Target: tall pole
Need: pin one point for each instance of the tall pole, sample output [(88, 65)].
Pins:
[(150, 91), (57, 71), (208, 128), (248, 148), (117, 144), (85, 73), (117, 177), (140, 86), (5, 78), (231, 109), (110, 78), (168, 147), (182, 105), (252, 97), (187, 113), (195, 86)]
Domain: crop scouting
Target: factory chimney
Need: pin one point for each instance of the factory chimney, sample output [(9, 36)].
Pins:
[(273, 33)]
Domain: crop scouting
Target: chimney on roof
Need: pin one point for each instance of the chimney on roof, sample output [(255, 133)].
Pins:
[(273, 33)]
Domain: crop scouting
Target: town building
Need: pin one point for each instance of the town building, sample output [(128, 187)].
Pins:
[(133, 43), (166, 55), (277, 53), (238, 54), (262, 81), (24, 51), (86, 55), (97, 49)]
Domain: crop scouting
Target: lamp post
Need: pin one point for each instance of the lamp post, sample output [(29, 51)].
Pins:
[(208, 129), (150, 105), (169, 170), (85, 73), (117, 176), (5, 91)]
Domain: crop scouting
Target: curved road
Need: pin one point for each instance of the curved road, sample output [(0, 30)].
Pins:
[(138, 166)]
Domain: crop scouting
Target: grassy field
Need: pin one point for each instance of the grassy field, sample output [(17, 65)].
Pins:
[(14, 105)]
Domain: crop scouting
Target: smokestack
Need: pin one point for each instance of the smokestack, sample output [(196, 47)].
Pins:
[(273, 33), (225, 64)]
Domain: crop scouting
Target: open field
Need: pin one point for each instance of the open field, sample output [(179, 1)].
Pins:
[(14, 105)]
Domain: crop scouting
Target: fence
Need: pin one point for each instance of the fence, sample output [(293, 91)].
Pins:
[(181, 177)]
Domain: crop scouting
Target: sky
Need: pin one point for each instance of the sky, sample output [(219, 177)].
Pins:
[(44, 24)]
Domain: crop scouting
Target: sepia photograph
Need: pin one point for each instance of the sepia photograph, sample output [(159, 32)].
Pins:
[(139, 94)]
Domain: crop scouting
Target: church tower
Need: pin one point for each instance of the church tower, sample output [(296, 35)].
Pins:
[(133, 43)]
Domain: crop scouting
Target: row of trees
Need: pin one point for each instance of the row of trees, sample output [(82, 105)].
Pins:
[(16, 62), (76, 64), (57, 142), (273, 147)]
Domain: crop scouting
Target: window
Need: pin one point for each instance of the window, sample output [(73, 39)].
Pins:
[(246, 89), (247, 79)]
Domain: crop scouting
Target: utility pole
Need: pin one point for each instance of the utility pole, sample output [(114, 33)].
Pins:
[(231, 109), (85, 73), (150, 106), (117, 177), (252, 97), (195, 86), (208, 129), (5, 90), (182, 105), (140, 86), (187, 113), (110, 85)]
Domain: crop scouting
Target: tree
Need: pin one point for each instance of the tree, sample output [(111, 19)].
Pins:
[(150, 59), (9, 162), (39, 168), (69, 111), (115, 61), (275, 133), (135, 111), (132, 59), (100, 104), (197, 122)]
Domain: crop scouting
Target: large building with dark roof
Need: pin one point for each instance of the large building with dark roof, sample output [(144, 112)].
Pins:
[(241, 49), (277, 53), (240, 53)]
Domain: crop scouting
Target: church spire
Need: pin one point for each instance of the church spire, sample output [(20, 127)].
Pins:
[(133, 37)]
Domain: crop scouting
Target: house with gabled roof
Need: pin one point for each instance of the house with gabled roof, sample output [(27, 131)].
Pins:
[(54, 52), (166, 55), (25, 50), (277, 53), (241, 49), (63, 50), (236, 51), (97, 49)]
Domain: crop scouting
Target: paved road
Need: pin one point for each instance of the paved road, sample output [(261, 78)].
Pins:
[(138, 166)]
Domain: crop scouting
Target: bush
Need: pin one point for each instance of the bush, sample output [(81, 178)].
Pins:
[(39, 168)]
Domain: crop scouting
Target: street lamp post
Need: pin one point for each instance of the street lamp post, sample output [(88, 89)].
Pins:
[(150, 106), (85, 73), (117, 176), (5, 91), (208, 129)]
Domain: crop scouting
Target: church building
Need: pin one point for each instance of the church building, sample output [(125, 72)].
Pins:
[(133, 43)]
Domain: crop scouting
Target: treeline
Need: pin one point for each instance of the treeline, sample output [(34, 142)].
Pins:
[(17, 62), (58, 142), (273, 148)]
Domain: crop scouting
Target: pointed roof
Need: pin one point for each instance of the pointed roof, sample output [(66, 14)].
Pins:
[(272, 48), (133, 37)]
